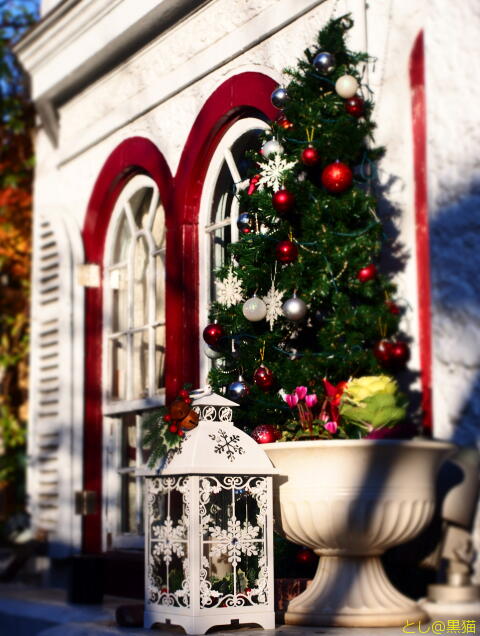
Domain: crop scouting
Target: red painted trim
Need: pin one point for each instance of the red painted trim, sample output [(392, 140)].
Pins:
[(246, 94), (133, 156), (419, 132)]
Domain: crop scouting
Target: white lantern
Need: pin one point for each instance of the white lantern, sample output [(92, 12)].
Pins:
[(208, 520)]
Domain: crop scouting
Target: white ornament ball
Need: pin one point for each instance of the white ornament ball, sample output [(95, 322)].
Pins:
[(211, 353), (271, 147), (294, 308), (254, 309), (346, 86)]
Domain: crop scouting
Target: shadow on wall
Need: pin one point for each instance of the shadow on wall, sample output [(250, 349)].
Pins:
[(455, 266)]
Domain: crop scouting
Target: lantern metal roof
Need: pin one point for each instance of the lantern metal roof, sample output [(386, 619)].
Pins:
[(215, 446)]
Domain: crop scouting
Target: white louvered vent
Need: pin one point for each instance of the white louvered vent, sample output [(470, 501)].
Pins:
[(52, 466)]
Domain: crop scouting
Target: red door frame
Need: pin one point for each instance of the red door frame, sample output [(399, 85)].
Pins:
[(242, 95), (422, 240)]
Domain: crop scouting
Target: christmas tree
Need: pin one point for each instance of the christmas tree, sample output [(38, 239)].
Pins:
[(302, 308)]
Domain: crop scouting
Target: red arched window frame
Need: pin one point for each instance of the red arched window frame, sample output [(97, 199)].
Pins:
[(136, 155), (243, 95)]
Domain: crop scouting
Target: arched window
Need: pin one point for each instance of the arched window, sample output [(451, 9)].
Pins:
[(219, 210), (134, 344)]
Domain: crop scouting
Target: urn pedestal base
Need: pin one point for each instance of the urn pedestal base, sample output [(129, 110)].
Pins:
[(350, 591), (349, 501)]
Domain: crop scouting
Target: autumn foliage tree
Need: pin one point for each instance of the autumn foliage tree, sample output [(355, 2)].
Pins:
[(16, 168)]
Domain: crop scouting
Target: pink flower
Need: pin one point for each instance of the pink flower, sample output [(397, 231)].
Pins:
[(311, 400), (301, 391), (291, 399), (331, 427)]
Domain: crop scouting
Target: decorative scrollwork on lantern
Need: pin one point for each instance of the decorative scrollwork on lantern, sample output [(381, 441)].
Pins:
[(225, 414), (168, 571), (209, 414), (232, 542)]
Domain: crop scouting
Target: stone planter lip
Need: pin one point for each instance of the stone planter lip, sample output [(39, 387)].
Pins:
[(345, 443)]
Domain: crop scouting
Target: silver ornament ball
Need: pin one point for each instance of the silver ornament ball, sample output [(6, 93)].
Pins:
[(324, 62), (279, 97), (238, 390), (245, 223), (271, 147), (211, 353), (254, 309), (294, 308)]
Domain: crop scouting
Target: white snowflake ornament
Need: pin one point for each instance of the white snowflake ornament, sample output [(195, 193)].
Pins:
[(274, 302), (229, 290), (272, 174), (234, 541)]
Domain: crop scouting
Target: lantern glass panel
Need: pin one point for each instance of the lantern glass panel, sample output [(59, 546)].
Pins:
[(168, 541), (233, 519)]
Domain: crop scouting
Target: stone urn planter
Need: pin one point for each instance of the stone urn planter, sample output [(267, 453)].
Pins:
[(350, 500)]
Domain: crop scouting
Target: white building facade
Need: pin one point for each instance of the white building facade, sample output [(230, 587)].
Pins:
[(145, 111)]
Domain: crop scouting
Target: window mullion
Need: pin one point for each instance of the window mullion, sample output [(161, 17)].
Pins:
[(152, 302), (130, 310), (234, 209), (153, 207), (232, 166), (139, 480), (217, 226)]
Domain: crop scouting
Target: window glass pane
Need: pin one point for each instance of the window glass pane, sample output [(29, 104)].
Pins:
[(128, 460), (247, 142), (220, 239), (140, 364), (160, 356), (118, 356), (122, 239), (158, 228), (118, 285), (140, 282), (223, 195), (140, 203), (160, 287)]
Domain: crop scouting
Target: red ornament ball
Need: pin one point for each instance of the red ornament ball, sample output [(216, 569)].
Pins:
[(286, 252), (306, 556), (382, 352), (399, 354), (310, 156), (264, 434), (367, 273), (284, 123), (283, 201), (393, 308), (167, 417), (173, 428), (337, 177), (183, 394), (264, 378), (355, 106), (213, 333)]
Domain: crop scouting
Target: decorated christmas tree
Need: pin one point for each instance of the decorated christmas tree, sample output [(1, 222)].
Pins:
[(303, 312)]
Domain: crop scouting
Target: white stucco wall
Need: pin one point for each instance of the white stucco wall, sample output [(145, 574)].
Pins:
[(48, 5), (453, 93)]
